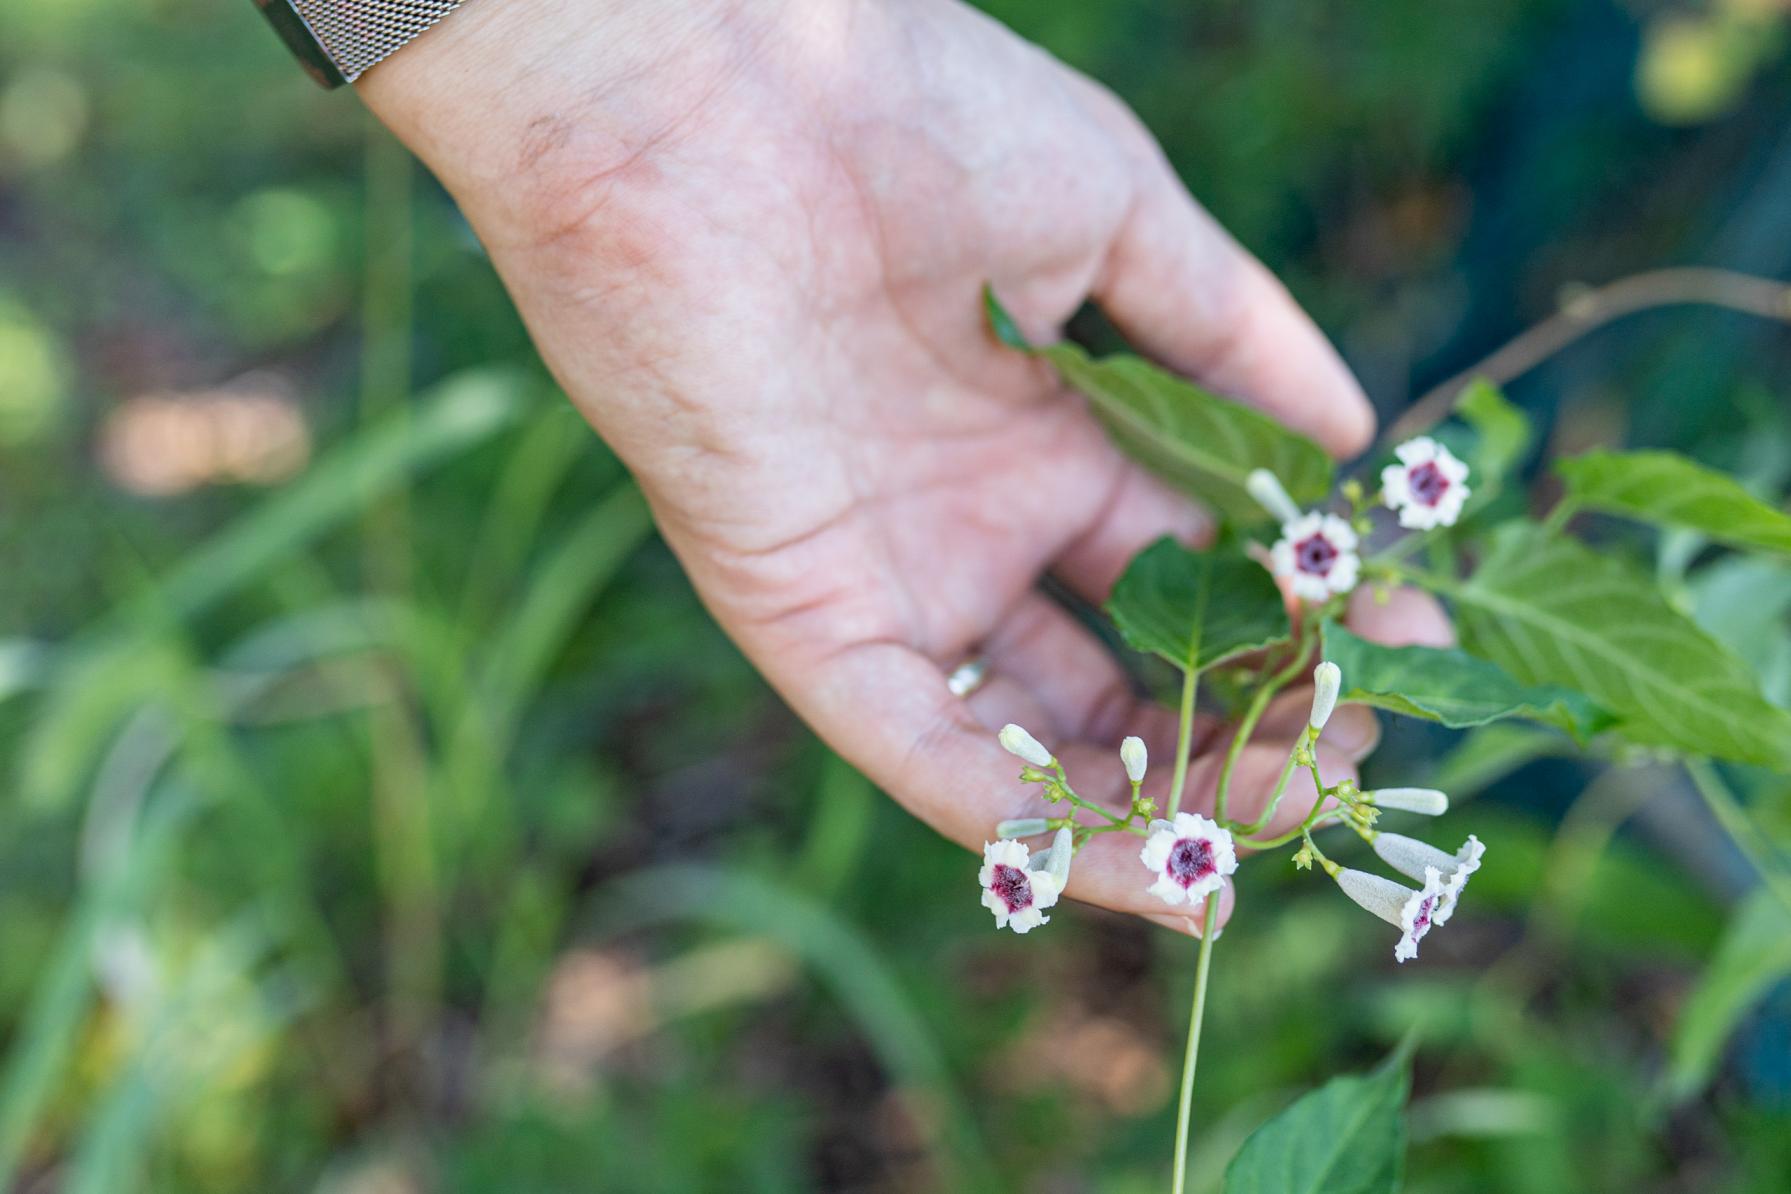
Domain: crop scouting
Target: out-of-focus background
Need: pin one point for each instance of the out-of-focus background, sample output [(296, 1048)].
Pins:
[(382, 814)]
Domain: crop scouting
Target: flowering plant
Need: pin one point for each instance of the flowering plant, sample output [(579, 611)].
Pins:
[(1551, 631)]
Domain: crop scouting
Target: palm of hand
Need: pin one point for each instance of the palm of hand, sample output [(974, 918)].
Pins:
[(767, 301)]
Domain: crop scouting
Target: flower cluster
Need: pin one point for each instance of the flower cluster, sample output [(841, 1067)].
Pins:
[(1188, 856), (1317, 554)]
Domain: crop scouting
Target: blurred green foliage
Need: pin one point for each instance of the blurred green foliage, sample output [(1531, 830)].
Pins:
[(409, 827)]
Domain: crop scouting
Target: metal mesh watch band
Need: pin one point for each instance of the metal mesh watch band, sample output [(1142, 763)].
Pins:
[(346, 37)]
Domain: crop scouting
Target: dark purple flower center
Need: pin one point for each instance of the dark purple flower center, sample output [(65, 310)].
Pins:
[(1315, 554), (1012, 885), (1190, 861), (1421, 922), (1427, 483)]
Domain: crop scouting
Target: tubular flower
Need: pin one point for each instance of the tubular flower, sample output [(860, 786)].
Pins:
[(1016, 741), (1414, 858), (1271, 495), (1427, 486), (1317, 554), (1412, 912), (1016, 894), (1190, 858)]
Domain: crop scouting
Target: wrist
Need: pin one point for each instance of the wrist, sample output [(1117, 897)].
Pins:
[(507, 98)]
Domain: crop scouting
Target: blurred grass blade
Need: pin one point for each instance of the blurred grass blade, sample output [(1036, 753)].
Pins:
[(42, 1049), (560, 592), (839, 828), (24, 665), (543, 456), (836, 952), (1753, 956), (463, 411)]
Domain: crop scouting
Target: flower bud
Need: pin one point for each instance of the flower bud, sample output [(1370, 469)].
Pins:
[(1427, 801), (1327, 679), (1022, 827), (1135, 757), (1269, 493), (1017, 741)]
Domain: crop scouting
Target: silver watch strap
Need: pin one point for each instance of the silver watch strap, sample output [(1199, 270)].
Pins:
[(358, 33)]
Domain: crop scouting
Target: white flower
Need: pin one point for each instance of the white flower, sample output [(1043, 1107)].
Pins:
[(1190, 858), (1327, 679), (1017, 741), (1428, 801), (1134, 756), (1409, 856), (1317, 552), (1414, 912), (1022, 827), (1016, 894), (1267, 489), (1427, 486)]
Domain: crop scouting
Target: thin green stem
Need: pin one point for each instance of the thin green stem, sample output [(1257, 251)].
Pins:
[(1196, 1015), (1184, 743), (1247, 727), (1297, 831), (1557, 518), (1261, 823), (1736, 823)]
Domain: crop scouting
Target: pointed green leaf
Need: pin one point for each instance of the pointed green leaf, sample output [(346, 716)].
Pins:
[(1197, 441), (1502, 437), (1451, 686), (1208, 606), (1346, 1137), (1551, 611), (1754, 954), (1671, 490)]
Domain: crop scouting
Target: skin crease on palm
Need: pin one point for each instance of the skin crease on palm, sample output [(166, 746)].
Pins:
[(749, 238)]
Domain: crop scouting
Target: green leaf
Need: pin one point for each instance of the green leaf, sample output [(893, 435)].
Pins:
[(1199, 442), (1753, 956), (1670, 490), (1452, 687), (1346, 1137), (1551, 611), (1743, 601), (1502, 436), (1200, 606)]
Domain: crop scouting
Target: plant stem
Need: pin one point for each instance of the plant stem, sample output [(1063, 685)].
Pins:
[(1735, 822), (1184, 742), (1196, 1014), (1299, 830), (1557, 518), (1308, 739), (1247, 727), (1583, 313)]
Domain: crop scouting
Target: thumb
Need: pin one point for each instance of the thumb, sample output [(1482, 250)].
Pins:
[(1185, 292)]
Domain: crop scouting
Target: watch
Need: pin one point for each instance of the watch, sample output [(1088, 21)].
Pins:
[(336, 40)]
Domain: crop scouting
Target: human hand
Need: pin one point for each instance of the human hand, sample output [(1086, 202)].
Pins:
[(749, 238)]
